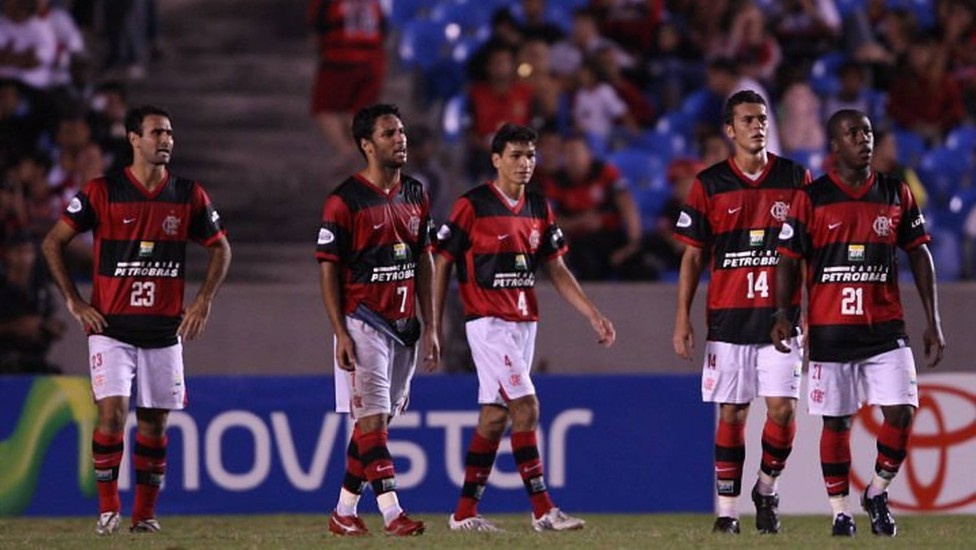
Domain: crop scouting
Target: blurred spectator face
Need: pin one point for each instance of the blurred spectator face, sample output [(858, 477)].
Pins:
[(584, 30), (549, 146), (668, 38), (681, 174), (501, 67), (748, 128), (534, 10), (73, 134), (9, 98), (20, 255), (91, 162), (577, 157), (715, 149), (586, 77), (534, 58), (851, 81), (28, 170), (921, 57), (885, 153), (719, 81)]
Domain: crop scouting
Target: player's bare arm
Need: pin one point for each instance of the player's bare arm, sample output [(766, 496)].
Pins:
[(785, 286), (442, 277), (90, 319), (692, 264), (332, 297), (569, 288), (923, 271), (195, 318), (430, 341)]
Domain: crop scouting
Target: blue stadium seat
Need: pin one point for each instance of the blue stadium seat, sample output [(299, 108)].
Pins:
[(845, 7), (402, 11), (454, 120), (666, 145), (422, 44), (823, 73), (910, 147), (469, 15), (811, 160), (962, 139), (646, 175), (942, 170)]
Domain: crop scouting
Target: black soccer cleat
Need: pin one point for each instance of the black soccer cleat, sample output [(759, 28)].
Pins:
[(843, 526), (726, 525), (882, 523), (767, 511)]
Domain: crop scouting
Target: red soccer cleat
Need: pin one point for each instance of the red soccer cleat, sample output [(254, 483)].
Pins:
[(351, 526), (403, 526)]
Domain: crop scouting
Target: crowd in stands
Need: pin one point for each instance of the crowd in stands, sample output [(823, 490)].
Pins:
[(64, 74), (627, 95)]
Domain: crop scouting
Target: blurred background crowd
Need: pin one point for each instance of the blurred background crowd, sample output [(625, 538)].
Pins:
[(626, 96)]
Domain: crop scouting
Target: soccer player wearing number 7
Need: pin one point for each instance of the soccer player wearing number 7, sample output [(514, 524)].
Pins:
[(141, 219), (735, 208), (498, 235), (847, 225)]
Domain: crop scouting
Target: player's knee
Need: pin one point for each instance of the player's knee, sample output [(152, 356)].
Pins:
[(899, 416), (492, 422), (525, 413), (781, 411), (837, 423)]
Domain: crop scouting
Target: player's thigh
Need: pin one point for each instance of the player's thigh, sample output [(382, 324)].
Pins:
[(112, 365), (778, 374), (729, 373), (402, 368), (160, 382), (890, 378), (502, 352), (369, 383), (832, 388)]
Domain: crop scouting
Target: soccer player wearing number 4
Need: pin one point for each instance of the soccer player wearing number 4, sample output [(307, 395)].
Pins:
[(498, 235), (142, 219), (736, 208), (847, 226)]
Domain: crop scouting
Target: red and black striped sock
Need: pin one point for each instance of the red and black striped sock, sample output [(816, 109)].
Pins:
[(835, 461), (892, 449), (377, 462), (777, 444), (529, 463), (355, 477), (149, 459), (730, 455), (106, 457), (477, 467)]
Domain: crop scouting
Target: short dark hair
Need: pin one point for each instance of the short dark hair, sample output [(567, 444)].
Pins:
[(833, 123), (512, 133), (364, 122), (135, 117), (738, 98)]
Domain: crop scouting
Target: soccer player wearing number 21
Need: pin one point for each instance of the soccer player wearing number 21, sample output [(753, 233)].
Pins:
[(498, 235), (847, 225), (736, 208), (142, 219)]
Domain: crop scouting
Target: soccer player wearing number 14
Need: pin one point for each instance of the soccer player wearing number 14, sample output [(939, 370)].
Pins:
[(847, 225), (142, 219), (735, 208)]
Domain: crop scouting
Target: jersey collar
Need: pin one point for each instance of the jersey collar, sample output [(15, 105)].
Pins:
[(770, 160), (850, 191), (142, 188)]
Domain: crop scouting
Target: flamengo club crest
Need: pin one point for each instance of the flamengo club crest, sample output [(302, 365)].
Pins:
[(171, 225), (534, 239), (779, 211), (882, 226), (413, 226)]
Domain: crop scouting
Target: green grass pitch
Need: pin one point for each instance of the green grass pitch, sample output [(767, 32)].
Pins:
[(602, 531)]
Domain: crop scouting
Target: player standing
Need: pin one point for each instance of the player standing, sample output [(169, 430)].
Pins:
[(498, 235), (375, 264), (142, 219), (847, 225), (735, 209)]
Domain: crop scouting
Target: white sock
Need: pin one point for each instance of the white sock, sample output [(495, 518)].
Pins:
[(840, 505), (348, 501), (389, 506), (877, 486), (767, 484), (727, 507)]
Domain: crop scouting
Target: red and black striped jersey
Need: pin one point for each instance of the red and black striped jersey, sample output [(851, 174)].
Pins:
[(597, 191), (376, 238), (140, 251), (349, 31), (738, 219), (497, 248), (849, 238)]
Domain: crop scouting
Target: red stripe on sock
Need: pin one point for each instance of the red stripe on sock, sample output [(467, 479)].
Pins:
[(529, 469), (144, 506), (108, 491), (777, 437), (895, 439), (468, 507), (835, 450), (379, 468)]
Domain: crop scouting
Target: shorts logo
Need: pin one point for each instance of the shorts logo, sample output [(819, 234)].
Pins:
[(817, 396), (399, 252), (357, 401), (882, 226), (515, 380), (779, 211), (855, 252), (521, 264), (326, 236), (709, 384), (786, 232), (534, 240), (756, 237), (171, 225), (684, 220), (413, 226), (146, 249)]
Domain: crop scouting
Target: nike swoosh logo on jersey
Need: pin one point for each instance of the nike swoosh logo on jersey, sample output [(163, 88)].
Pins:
[(833, 226), (734, 210), (379, 225), (128, 220), (503, 237)]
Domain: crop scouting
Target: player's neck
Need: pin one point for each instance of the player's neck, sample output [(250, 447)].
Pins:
[(854, 176), (511, 190), (383, 178), (150, 176), (751, 163)]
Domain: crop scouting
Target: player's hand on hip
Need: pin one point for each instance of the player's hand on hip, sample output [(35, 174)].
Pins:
[(345, 353), (88, 317), (431, 348), (683, 340), (934, 345), (606, 334), (194, 320), (780, 333)]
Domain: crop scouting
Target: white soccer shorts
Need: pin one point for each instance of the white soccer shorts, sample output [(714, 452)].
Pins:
[(380, 384), (157, 372), (502, 352), (838, 389), (738, 373)]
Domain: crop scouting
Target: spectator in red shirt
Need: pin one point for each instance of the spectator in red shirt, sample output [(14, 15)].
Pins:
[(925, 98)]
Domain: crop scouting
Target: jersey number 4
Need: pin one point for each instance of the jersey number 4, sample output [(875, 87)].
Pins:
[(143, 294)]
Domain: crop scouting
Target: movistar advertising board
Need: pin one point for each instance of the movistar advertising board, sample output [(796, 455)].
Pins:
[(265, 445)]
